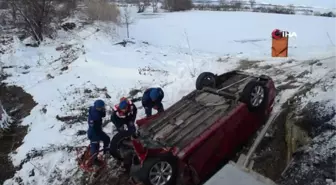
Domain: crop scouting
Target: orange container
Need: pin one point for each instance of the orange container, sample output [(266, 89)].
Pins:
[(279, 44)]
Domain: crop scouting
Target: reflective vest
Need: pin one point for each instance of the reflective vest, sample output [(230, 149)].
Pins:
[(128, 112)]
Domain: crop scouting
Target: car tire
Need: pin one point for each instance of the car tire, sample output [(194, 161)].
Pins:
[(152, 165), (255, 95), (206, 79), (116, 145)]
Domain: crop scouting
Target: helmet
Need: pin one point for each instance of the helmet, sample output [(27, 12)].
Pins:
[(154, 94), (123, 104), (99, 103)]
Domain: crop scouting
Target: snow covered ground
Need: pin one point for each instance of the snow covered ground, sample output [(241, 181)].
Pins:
[(235, 32), (170, 50)]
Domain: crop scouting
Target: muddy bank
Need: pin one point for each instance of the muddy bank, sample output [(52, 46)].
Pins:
[(275, 150), (270, 158), (18, 105), (312, 159), (299, 149)]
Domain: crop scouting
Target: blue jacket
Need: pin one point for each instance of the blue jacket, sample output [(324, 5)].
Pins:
[(147, 102), (95, 120)]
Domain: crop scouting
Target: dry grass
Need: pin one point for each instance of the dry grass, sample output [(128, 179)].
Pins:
[(248, 64)]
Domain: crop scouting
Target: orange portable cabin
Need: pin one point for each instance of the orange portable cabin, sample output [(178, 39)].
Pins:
[(279, 44)]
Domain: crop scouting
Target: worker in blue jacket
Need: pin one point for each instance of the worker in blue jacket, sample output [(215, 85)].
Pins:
[(152, 99), (95, 132), (123, 114)]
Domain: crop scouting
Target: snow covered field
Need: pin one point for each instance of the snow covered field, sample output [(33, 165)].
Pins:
[(170, 50), (235, 32)]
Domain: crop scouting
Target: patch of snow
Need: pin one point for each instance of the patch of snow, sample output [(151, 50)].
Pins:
[(4, 118)]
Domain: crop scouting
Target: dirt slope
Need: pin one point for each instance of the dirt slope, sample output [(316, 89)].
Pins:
[(18, 105)]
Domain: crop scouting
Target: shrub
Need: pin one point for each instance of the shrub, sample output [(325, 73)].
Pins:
[(101, 10), (4, 5), (40, 17), (178, 5), (329, 14)]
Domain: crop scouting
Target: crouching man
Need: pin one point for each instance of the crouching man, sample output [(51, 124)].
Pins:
[(95, 131), (123, 114), (152, 99)]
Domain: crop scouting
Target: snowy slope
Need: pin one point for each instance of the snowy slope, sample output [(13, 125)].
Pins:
[(67, 75)]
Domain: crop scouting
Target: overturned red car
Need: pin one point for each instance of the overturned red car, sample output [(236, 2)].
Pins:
[(187, 143)]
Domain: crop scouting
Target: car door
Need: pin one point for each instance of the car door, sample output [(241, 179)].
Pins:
[(219, 145)]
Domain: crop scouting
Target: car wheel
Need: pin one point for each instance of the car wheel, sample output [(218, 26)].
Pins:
[(160, 171), (255, 95), (118, 145), (206, 79)]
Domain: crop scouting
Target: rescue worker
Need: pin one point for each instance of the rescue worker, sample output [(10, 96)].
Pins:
[(95, 132), (124, 113), (152, 99)]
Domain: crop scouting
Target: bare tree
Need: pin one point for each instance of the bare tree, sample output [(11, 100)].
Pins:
[(101, 10), (155, 5), (127, 19), (291, 9), (4, 5), (236, 5), (13, 12), (40, 17), (178, 5), (141, 6), (317, 13), (223, 2), (252, 3)]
